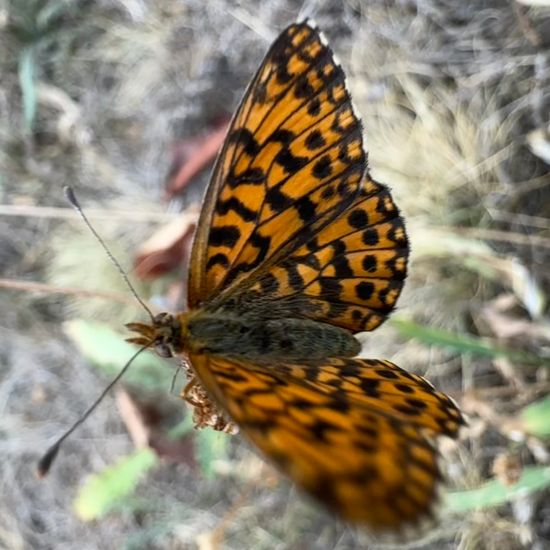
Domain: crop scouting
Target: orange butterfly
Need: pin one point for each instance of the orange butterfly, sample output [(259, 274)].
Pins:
[(296, 250)]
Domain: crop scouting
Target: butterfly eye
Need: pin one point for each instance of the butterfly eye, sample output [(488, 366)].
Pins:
[(163, 319), (164, 350)]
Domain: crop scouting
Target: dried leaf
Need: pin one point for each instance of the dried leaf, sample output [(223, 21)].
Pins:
[(168, 248), (191, 157)]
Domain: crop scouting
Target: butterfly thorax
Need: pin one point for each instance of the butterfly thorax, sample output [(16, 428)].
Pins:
[(227, 334), (224, 333)]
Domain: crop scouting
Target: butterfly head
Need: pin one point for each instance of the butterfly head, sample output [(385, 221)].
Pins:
[(164, 334)]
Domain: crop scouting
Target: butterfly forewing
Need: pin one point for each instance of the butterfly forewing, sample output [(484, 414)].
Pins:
[(293, 160)]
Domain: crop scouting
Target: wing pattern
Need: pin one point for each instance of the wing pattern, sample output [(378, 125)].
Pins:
[(292, 161), (349, 274), (354, 433)]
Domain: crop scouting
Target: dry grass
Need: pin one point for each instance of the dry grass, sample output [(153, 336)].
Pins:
[(450, 92)]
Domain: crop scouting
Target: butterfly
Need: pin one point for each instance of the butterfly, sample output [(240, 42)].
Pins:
[(297, 249)]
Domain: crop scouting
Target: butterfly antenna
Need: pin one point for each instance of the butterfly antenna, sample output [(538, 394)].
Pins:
[(45, 463), (71, 197)]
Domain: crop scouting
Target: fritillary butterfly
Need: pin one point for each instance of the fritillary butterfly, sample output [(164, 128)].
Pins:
[(297, 249)]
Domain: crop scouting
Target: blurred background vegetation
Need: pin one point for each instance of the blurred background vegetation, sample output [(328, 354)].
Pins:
[(117, 98)]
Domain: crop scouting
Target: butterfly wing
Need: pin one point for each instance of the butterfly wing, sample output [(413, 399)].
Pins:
[(356, 434), (349, 274), (292, 161)]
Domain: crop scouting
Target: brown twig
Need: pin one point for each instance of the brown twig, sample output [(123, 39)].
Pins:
[(32, 286), (69, 214), (496, 235), (216, 535)]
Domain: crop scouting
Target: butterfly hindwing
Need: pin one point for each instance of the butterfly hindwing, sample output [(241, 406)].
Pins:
[(349, 274), (292, 161), (354, 433)]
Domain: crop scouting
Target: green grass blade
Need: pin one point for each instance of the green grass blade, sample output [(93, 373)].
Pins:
[(183, 428), (113, 487), (535, 418), (28, 88), (106, 490), (494, 493), (464, 343), (50, 13)]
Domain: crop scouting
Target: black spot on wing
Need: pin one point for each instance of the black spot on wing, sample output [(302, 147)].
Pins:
[(253, 176), (364, 290), (370, 237), (233, 203), (218, 259), (356, 315), (225, 235), (269, 283), (358, 219), (417, 403), (322, 168), (385, 205), (339, 247), (286, 137), (404, 388), (398, 227), (328, 192), (320, 428), (282, 74), (244, 137), (295, 280), (277, 200), (350, 368), (306, 209), (330, 288), (314, 107), (340, 405), (398, 273), (303, 88), (315, 140), (409, 411), (344, 151), (259, 93), (291, 163), (369, 263), (262, 244), (387, 373), (341, 268)]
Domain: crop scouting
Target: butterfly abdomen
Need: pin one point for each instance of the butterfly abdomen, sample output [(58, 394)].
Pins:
[(221, 333)]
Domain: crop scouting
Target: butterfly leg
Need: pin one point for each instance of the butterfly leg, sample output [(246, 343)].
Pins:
[(205, 413), (186, 393)]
